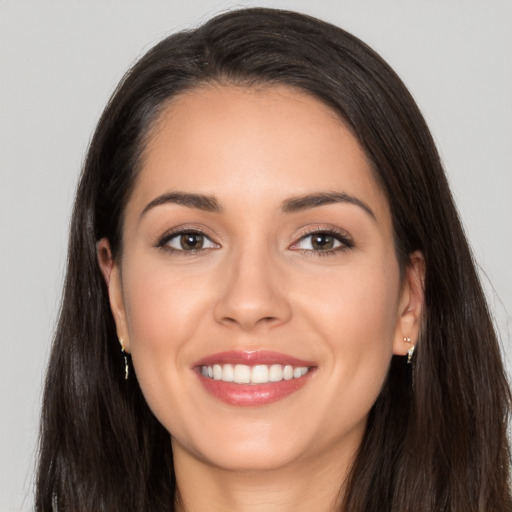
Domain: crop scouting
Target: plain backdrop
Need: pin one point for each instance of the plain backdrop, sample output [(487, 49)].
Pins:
[(59, 62)]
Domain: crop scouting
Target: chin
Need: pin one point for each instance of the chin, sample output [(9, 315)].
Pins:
[(265, 450), (250, 460)]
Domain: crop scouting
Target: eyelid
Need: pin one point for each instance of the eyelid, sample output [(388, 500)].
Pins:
[(163, 241), (343, 237), (346, 240)]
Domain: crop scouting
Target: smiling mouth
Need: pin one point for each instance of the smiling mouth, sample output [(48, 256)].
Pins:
[(253, 378), (257, 374)]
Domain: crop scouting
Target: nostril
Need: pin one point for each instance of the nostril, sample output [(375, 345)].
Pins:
[(248, 322)]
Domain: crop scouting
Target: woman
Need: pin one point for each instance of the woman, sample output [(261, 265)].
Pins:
[(263, 239)]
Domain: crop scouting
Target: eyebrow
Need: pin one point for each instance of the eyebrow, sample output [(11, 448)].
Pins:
[(296, 204), (197, 201)]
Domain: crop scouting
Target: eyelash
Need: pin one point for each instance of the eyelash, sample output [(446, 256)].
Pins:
[(342, 237), (164, 241)]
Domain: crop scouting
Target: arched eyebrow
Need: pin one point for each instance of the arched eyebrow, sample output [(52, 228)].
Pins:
[(197, 201), (291, 205), (308, 201)]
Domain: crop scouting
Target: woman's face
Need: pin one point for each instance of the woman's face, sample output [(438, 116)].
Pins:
[(257, 246)]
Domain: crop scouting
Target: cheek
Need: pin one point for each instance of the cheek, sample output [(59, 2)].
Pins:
[(357, 316), (358, 305), (163, 302), (163, 311)]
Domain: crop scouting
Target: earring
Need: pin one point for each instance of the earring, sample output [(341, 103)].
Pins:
[(126, 368), (410, 352)]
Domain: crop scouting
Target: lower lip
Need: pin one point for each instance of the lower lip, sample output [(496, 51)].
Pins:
[(252, 395)]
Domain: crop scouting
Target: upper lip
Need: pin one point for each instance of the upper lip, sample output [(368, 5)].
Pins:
[(252, 357)]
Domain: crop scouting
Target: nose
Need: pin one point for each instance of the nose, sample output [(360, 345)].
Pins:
[(253, 294)]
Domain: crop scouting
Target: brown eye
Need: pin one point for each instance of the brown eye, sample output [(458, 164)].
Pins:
[(328, 242), (188, 241), (322, 242), (191, 241)]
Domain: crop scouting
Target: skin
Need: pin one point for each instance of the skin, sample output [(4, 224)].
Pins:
[(260, 285)]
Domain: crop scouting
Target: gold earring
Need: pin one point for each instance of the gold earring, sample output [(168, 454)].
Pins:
[(410, 352), (126, 368)]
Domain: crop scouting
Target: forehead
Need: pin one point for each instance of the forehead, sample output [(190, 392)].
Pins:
[(255, 144)]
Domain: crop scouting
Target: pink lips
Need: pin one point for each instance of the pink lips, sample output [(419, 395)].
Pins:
[(251, 358), (247, 395)]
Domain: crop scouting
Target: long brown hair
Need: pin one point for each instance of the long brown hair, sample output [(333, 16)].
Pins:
[(436, 438)]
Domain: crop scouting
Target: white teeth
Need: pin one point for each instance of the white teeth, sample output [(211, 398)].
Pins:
[(276, 373), (258, 374), (303, 371), (227, 373), (217, 371), (242, 374)]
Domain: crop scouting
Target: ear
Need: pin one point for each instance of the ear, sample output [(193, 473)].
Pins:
[(411, 304), (112, 275)]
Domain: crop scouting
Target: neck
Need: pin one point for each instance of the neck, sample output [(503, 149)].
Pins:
[(298, 487)]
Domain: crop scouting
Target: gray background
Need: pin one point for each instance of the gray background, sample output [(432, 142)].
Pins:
[(59, 62)]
